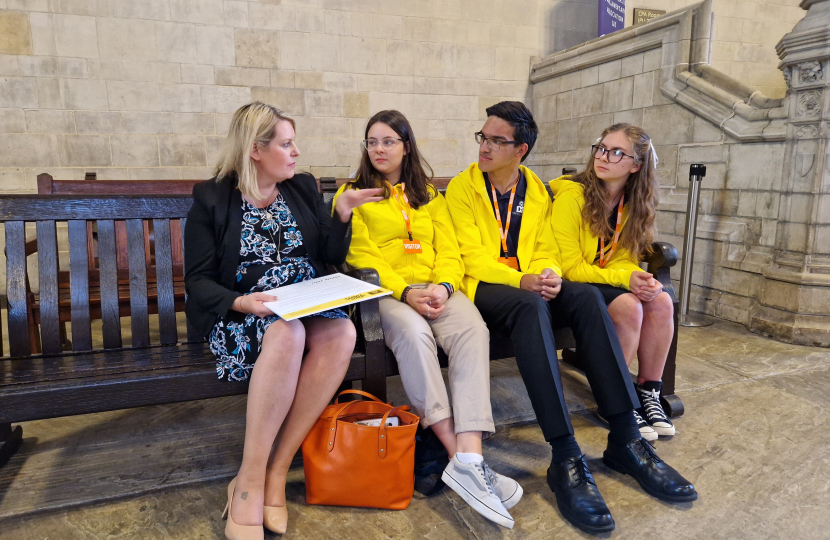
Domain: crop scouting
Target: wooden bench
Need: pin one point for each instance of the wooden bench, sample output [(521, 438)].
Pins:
[(96, 377), (46, 185), (663, 257)]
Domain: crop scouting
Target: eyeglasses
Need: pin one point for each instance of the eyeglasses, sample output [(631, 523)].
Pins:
[(614, 156), (388, 143), (493, 144)]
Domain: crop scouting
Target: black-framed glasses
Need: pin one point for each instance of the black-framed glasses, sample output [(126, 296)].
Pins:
[(493, 144), (614, 156), (387, 142)]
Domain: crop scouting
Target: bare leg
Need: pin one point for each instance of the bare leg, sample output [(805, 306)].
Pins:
[(330, 343), (655, 338), (627, 313), (271, 392)]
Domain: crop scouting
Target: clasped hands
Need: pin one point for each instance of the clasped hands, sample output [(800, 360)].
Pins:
[(547, 284), (429, 302), (644, 286)]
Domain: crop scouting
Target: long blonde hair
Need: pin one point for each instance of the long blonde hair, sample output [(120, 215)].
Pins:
[(254, 123), (642, 193)]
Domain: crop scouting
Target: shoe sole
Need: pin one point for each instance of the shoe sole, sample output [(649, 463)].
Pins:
[(622, 469), (475, 504), (590, 529), (664, 431), (514, 499), (649, 435)]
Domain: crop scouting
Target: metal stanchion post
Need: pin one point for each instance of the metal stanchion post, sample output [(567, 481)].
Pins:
[(696, 173)]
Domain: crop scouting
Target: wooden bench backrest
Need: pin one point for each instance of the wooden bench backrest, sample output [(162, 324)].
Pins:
[(77, 212), (46, 185)]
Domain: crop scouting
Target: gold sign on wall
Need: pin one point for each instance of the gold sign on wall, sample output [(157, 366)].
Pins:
[(644, 15)]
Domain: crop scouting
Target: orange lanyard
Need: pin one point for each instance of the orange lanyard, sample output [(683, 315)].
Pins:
[(506, 228), (403, 204), (602, 259)]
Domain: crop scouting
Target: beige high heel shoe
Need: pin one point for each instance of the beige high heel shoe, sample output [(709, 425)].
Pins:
[(234, 531), (275, 518)]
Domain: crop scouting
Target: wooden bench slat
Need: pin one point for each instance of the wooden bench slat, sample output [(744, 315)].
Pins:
[(16, 288), (64, 207), (139, 319), (192, 334), (79, 280), (50, 334), (164, 282), (109, 284)]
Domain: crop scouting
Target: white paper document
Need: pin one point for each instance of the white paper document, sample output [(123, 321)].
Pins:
[(319, 294)]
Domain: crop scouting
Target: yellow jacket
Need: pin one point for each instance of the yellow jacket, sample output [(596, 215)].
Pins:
[(478, 235), (378, 231), (578, 245)]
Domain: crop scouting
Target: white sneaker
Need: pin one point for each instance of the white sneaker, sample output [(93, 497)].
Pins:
[(506, 489), (472, 483), (646, 431)]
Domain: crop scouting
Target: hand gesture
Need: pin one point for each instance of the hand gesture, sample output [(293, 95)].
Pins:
[(644, 286), (419, 300), (253, 303), (352, 198)]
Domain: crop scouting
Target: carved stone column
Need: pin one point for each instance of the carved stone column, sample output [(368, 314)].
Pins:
[(794, 301)]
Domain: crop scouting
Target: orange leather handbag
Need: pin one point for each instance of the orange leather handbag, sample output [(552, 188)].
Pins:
[(348, 464)]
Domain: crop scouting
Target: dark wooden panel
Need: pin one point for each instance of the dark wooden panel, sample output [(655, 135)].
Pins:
[(64, 207), (47, 258), (139, 319), (108, 264), (192, 334), (164, 282), (119, 187), (79, 281), (16, 287)]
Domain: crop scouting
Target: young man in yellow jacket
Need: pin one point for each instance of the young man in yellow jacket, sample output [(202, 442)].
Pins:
[(501, 212)]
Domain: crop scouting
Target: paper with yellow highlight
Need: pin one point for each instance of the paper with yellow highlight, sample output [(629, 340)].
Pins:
[(319, 294)]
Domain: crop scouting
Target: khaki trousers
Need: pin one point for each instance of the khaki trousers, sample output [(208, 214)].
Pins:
[(461, 333)]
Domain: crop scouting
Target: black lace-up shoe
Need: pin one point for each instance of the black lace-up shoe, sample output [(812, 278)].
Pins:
[(651, 410), (655, 476), (577, 496)]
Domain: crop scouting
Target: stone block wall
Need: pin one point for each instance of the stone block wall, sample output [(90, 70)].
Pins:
[(746, 32), (146, 89)]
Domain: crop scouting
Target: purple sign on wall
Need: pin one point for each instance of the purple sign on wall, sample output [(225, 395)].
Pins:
[(611, 16)]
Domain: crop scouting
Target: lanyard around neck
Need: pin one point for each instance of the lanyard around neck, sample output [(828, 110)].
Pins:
[(602, 260), (404, 207), (503, 231)]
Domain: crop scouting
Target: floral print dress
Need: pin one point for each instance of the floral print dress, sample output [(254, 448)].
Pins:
[(271, 255)]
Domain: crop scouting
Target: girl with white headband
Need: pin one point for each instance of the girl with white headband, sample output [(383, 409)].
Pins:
[(604, 223)]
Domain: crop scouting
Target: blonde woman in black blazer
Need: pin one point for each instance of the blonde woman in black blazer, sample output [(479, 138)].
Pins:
[(254, 227)]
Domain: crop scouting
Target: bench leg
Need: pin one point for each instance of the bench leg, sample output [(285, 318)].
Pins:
[(10, 441), (670, 402)]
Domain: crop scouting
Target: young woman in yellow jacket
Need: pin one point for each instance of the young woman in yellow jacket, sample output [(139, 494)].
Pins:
[(604, 221), (408, 237)]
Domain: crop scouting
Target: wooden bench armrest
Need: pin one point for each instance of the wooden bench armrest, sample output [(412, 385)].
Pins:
[(369, 328), (663, 256)]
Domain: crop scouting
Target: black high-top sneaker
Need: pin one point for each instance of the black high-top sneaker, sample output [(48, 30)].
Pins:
[(651, 410)]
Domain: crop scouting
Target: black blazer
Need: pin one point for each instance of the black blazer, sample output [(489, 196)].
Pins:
[(213, 237)]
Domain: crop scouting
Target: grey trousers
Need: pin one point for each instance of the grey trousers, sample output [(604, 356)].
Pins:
[(461, 333)]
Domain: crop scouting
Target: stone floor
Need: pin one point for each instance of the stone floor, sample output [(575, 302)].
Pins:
[(755, 441)]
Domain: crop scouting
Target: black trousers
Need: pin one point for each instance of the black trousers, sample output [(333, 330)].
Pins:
[(529, 320)]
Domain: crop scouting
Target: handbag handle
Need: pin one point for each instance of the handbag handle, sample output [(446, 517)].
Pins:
[(358, 392), (382, 435)]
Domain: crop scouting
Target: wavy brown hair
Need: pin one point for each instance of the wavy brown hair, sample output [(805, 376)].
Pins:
[(641, 192), (419, 189)]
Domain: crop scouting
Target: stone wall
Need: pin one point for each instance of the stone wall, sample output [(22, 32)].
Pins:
[(146, 89), (742, 189), (746, 32)]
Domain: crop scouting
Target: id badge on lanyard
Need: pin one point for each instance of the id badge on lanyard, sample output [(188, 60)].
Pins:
[(512, 262), (411, 246), (603, 260)]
